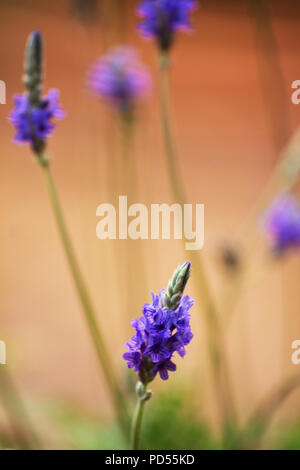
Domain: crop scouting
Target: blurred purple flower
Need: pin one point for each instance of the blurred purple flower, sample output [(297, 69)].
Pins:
[(35, 122), (282, 223), (161, 18), (119, 78)]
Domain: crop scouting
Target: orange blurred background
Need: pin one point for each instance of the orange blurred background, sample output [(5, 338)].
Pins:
[(231, 87)]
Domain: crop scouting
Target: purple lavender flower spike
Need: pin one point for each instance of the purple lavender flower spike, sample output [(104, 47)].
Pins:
[(33, 114), (162, 18), (282, 223), (162, 330), (119, 78)]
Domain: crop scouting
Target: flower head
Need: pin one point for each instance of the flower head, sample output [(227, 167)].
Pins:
[(35, 122), (119, 78), (161, 19), (33, 114), (282, 222), (161, 331)]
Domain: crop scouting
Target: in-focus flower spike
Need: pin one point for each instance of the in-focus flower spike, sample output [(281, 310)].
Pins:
[(163, 330), (162, 18), (119, 79), (282, 223), (33, 114)]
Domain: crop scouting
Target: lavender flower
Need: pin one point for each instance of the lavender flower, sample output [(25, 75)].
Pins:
[(163, 330), (33, 114), (35, 123), (119, 78), (163, 17), (282, 222)]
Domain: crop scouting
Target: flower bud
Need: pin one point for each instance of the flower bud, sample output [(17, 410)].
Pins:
[(33, 68), (176, 286)]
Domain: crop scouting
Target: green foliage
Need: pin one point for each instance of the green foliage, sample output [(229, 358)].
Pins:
[(86, 433), (170, 423), (289, 437)]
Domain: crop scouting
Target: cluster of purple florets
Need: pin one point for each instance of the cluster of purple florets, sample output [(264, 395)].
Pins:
[(161, 18), (282, 223), (35, 122), (160, 333)]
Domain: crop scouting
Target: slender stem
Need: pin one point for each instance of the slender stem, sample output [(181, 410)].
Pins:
[(264, 412), (129, 165), (133, 255), (137, 424), (23, 430), (270, 404), (271, 73), (167, 130), (216, 343), (86, 303)]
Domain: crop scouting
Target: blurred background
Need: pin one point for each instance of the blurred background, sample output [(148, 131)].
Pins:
[(231, 89)]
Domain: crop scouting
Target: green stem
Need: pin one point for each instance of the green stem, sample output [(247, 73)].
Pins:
[(86, 303), (133, 253), (137, 424), (23, 430), (128, 167), (253, 432), (167, 130), (271, 73), (216, 343)]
